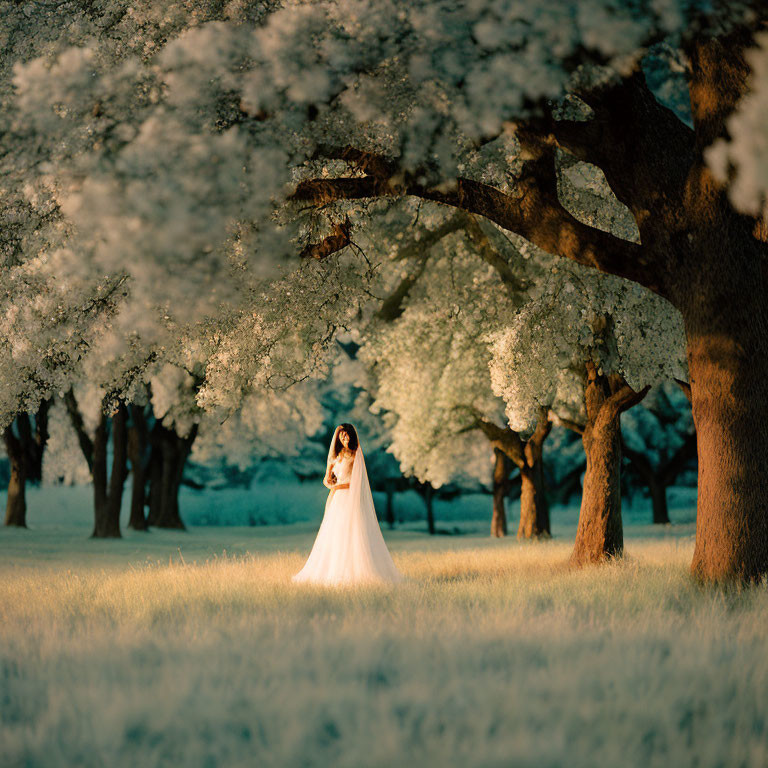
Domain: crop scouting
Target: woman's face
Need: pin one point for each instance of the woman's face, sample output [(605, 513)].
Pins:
[(344, 437)]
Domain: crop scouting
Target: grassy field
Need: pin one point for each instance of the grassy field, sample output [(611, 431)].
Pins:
[(196, 650)]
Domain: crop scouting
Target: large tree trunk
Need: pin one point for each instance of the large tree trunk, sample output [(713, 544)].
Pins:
[(108, 486), (600, 534), (16, 505), (169, 457), (501, 469), (726, 356), (137, 450)]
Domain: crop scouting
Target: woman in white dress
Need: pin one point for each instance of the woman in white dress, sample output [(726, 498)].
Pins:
[(349, 547)]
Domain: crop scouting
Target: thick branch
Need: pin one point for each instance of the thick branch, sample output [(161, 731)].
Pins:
[(543, 427), (392, 307), (505, 439), (491, 256), (330, 244), (686, 388), (86, 444), (572, 425), (626, 398), (535, 213)]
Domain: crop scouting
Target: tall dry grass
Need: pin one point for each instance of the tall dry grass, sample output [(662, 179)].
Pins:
[(488, 655)]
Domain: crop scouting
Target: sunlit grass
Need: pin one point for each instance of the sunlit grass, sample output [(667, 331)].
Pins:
[(491, 653)]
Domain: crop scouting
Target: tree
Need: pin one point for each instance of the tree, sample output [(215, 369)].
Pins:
[(578, 352), (25, 447), (429, 374), (695, 248), (424, 101), (47, 327), (660, 443)]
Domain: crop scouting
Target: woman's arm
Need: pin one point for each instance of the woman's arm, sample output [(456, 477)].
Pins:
[(330, 479)]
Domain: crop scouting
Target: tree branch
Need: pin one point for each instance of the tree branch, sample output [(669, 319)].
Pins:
[(86, 444), (534, 213), (686, 387), (331, 244), (572, 425), (543, 427), (626, 397), (392, 307), (491, 256), (505, 439)]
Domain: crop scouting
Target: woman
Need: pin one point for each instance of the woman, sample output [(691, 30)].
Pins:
[(349, 547)]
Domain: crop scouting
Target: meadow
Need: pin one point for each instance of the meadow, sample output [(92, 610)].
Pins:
[(195, 649)]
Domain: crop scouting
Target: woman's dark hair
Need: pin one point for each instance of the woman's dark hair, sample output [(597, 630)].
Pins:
[(350, 430)]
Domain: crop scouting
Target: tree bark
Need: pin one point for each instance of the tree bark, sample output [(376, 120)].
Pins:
[(108, 485), (728, 364), (501, 469), (169, 457), (534, 506), (600, 533), (137, 450), (25, 453), (15, 505)]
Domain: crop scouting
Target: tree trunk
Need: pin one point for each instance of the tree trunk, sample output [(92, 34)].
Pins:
[(166, 479), (659, 502), (108, 486), (155, 475), (426, 491), (119, 464), (25, 453), (726, 357), (526, 455), (390, 508), (599, 534), (501, 469), (654, 481), (137, 449), (76, 419), (534, 507), (15, 505)]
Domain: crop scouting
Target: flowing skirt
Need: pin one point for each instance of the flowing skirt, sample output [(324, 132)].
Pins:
[(349, 547)]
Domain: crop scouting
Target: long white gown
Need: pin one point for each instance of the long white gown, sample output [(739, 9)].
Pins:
[(349, 547)]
